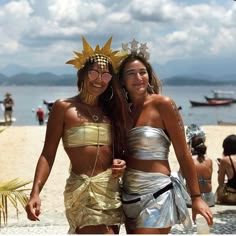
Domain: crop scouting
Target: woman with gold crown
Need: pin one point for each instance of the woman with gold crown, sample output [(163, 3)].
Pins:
[(89, 124)]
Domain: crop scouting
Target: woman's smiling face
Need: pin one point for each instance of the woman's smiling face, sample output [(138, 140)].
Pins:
[(97, 79), (135, 77)]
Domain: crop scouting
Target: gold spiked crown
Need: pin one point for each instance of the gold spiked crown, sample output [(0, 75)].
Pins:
[(102, 56)]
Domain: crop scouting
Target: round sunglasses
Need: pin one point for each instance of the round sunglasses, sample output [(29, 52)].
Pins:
[(94, 74)]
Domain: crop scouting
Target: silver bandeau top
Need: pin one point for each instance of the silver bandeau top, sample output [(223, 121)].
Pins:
[(148, 143)]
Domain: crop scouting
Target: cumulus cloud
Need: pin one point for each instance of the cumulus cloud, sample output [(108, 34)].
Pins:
[(46, 32)]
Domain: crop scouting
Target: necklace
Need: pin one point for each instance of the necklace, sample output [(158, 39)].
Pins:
[(95, 119), (93, 116), (87, 105)]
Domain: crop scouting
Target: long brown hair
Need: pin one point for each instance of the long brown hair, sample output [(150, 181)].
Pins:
[(113, 104), (154, 83)]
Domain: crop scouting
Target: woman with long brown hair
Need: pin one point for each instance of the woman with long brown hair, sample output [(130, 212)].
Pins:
[(91, 126), (153, 200)]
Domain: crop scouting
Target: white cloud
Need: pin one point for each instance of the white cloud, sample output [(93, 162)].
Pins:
[(75, 12), (52, 29), (13, 17), (119, 18), (224, 42)]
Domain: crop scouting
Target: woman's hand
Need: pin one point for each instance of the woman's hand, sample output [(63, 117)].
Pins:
[(200, 207), (118, 167), (33, 208)]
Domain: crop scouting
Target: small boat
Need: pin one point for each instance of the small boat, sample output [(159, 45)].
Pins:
[(211, 103), (222, 95), (221, 122)]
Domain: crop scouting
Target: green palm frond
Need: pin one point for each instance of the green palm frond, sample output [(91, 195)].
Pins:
[(13, 184), (12, 191), (1, 130)]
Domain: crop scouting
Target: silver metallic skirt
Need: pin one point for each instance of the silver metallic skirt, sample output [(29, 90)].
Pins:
[(154, 200)]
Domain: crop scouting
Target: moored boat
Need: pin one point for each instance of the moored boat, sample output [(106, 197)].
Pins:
[(221, 122), (212, 102), (221, 95)]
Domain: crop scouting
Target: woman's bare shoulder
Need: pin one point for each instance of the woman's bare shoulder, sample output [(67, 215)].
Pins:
[(161, 99), (208, 159), (225, 162), (164, 103), (61, 102), (224, 159)]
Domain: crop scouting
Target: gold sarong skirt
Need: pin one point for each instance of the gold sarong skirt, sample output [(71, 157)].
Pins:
[(92, 200)]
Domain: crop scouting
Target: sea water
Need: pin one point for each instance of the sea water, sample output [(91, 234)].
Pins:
[(28, 98)]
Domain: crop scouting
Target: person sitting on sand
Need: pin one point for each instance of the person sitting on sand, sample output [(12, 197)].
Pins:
[(196, 141), (226, 191)]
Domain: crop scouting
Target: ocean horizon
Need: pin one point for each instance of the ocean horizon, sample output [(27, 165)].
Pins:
[(28, 98)]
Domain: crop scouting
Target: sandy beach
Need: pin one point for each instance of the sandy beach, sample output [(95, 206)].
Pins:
[(20, 150)]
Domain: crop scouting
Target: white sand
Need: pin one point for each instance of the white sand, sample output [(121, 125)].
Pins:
[(21, 147), (20, 150)]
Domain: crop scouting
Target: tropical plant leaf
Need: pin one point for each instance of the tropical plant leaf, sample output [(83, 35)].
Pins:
[(1, 130), (12, 191), (13, 184)]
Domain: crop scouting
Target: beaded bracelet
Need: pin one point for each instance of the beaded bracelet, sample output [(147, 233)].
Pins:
[(195, 195)]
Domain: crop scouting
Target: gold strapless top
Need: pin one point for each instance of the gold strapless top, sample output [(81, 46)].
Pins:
[(87, 134)]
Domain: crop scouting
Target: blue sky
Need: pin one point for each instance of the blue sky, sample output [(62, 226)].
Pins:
[(183, 36)]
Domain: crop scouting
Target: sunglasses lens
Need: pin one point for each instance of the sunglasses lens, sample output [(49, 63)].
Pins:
[(106, 77), (93, 74)]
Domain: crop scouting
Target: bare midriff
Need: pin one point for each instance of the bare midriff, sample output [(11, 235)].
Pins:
[(159, 166), (83, 159)]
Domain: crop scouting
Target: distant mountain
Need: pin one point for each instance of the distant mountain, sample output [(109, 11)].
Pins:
[(50, 79), (209, 68), (196, 80), (212, 68), (14, 69), (45, 78)]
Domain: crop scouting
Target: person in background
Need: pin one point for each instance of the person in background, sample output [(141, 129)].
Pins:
[(8, 104), (226, 191), (196, 141), (153, 200), (49, 105), (90, 125), (40, 115)]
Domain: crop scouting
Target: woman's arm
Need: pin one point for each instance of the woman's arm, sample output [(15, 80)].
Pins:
[(46, 159), (174, 125), (175, 128), (221, 172)]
